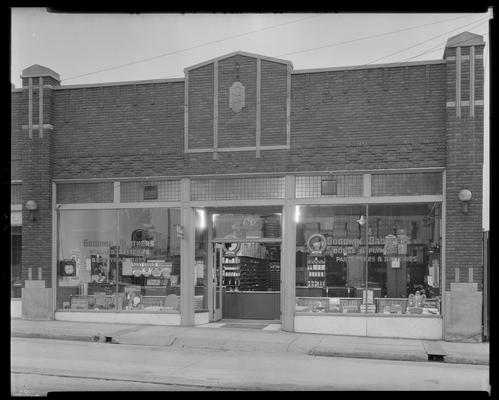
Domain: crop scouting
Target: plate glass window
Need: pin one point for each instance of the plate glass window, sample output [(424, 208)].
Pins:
[(403, 269)]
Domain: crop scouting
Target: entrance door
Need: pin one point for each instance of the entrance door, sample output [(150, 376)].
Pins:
[(216, 283)]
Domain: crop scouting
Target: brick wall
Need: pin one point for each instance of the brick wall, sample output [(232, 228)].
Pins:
[(47, 80), (372, 118), (200, 100), (119, 131), (273, 103), (464, 165), (18, 102), (237, 129), (36, 170)]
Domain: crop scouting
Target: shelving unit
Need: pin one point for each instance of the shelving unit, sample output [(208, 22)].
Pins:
[(316, 271), (275, 275), (245, 273), (231, 273), (254, 274), (274, 258)]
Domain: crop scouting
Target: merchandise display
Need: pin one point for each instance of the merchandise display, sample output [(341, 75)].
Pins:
[(379, 305), (316, 271), (312, 304), (95, 273), (245, 273), (274, 257), (231, 273), (275, 276), (254, 274), (251, 284), (67, 268), (351, 305), (401, 243)]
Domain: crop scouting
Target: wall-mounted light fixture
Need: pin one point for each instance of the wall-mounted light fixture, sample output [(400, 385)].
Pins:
[(465, 197), (361, 221), (31, 206)]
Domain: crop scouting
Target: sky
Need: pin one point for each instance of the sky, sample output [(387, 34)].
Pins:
[(97, 48)]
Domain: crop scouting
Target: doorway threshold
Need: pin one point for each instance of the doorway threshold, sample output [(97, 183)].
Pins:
[(265, 325)]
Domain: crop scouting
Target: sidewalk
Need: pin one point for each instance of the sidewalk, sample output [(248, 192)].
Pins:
[(219, 337)]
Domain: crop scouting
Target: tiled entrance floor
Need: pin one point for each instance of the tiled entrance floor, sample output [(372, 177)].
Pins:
[(266, 325)]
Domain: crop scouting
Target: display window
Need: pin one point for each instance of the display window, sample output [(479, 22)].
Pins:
[(401, 274), (85, 242), (149, 259), (121, 260)]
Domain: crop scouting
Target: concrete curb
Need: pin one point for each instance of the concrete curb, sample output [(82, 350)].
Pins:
[(53, 337), (458, 359), (232, 345), (369, 355)]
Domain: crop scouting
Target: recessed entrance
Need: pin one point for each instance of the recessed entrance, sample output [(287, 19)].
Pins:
[(245, 263)]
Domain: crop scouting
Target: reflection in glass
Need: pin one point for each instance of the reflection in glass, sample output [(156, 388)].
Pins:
[(119, 260), (403, 271), (85, 276), (149, 259), (407, 266)]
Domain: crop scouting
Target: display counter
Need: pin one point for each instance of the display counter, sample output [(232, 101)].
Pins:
[(251, 305)]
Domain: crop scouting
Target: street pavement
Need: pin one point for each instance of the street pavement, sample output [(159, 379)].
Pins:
[(242, 336), (39, 366)]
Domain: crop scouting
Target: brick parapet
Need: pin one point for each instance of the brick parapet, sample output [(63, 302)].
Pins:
[(396, 119)]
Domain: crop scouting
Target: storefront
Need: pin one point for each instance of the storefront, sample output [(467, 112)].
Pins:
[(336, 207), (122, 260)]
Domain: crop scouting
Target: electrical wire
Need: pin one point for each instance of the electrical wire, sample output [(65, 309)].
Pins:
[(370, 36), (189, 48), (255, 31), (481, 21), (441, 44), (432, 49)]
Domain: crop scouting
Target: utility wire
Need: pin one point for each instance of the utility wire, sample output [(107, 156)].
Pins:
[(189, 48), (255, 31), (432, 49), (441, 44), (371, 36), (481, 21)]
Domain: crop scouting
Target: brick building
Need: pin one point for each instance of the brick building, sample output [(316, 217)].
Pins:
[(249, 189)]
